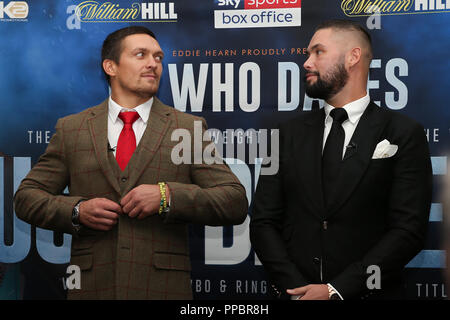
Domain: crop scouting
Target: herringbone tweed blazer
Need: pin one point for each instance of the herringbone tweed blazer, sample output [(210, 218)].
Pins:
[(137, 259)]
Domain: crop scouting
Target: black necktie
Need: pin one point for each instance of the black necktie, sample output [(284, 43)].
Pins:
[(332, 153)]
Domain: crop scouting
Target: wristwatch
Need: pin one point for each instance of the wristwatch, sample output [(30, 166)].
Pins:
[(76, 215), (332, 294)]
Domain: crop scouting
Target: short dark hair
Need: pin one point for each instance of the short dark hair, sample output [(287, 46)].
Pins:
[(348, 25), (112, 46)]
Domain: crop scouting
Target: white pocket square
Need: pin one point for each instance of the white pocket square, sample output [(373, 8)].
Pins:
[(384, 149)]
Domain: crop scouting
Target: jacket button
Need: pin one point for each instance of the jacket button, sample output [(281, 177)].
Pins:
[(316, 260), (124, 179)]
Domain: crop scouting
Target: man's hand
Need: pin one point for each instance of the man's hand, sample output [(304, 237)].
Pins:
[(143, 201), (99, 213), (310, 292)]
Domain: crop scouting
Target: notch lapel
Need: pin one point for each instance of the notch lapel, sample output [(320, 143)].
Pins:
[(98, 128), (157, 127), (357, 159)]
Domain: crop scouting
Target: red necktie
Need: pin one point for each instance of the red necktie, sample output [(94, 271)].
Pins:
[(127, 140)]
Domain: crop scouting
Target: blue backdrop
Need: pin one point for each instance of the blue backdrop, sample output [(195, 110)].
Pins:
[(238, 64)]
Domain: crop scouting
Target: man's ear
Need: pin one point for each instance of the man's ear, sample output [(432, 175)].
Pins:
[(110, 67), (354, 56)]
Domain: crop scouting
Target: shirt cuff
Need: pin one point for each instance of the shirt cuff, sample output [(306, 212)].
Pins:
[(335, 291)]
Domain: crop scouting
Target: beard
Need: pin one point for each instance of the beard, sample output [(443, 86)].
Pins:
[(140, 88), (333, 81)]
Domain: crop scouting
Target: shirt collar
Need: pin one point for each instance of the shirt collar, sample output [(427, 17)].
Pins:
[(354, 109), (144, 109)]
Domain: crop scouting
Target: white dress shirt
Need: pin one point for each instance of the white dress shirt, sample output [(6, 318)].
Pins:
[(115, 124), (354, 110)]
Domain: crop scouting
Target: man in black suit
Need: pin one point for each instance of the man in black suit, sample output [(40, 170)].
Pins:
[(349, 206)]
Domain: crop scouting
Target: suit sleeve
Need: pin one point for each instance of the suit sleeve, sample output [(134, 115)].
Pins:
[(409, 207), (266, 227), (39, 200), (215, 197)]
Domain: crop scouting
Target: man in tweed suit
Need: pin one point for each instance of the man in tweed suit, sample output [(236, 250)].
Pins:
[(124, 244)]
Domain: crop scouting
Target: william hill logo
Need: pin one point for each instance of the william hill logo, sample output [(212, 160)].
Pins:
[(93, 11), (357, 8)]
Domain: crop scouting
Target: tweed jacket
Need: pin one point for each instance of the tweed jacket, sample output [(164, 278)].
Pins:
[(137, 259)]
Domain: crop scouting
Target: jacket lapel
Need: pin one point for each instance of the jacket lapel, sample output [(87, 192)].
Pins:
[(357, 158), (157, 127), (98, 128), (308, 160)]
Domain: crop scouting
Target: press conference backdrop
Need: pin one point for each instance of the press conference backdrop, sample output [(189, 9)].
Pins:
[(238, 63)]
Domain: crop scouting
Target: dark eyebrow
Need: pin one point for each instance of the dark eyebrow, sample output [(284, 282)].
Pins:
[(314, 47), (139, 49), (146, 50)]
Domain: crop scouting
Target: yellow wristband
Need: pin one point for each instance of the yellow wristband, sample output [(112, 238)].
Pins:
[(163, 202)]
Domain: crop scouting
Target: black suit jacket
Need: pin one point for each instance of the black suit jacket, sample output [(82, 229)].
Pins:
[(379, 214)]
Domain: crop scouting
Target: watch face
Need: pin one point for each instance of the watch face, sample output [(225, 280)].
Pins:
[(75, 216)]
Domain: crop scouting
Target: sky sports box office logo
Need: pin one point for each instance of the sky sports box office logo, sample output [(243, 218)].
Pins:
[(257, 14)]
